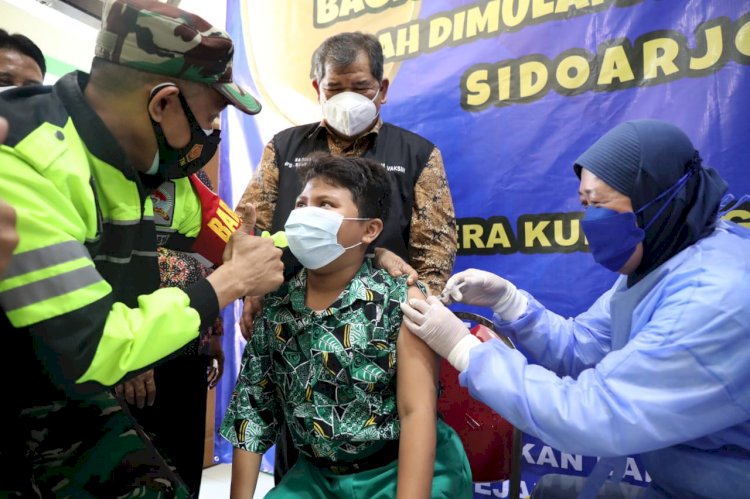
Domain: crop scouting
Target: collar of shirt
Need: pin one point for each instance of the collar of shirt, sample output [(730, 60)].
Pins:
[(337, 145), (89, 125), (360, 288)]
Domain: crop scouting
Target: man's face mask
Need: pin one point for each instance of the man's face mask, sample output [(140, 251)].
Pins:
[(311, 233), (349, 113), (613, 236), (180, 162)]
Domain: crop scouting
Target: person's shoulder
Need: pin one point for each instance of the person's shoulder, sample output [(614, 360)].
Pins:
[(298, 130), (28, 109), (293, 284), (728, 245), (384, 286), (417, 291), (281, 295), (390, 128), (719, 261), (732, 231)]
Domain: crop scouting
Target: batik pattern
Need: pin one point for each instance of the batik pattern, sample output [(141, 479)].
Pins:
[(330, 374)]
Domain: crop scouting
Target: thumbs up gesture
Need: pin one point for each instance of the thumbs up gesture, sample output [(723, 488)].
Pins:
[(252, 265)]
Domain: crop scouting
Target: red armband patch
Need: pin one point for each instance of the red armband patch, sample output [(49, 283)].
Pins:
[(218, 222)]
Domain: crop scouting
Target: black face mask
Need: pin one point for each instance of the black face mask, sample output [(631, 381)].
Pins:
[(184, 161)]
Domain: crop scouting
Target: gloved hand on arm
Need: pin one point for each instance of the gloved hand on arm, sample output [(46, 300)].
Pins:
[(485, 289), (445, 333)]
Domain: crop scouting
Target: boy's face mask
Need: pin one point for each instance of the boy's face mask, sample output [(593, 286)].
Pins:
[(312, 235), (183, 161)]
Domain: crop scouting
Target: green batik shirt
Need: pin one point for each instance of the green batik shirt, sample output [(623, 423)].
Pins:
[(331, 374)]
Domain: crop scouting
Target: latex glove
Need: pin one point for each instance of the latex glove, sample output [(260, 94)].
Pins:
[(394, 265), (139, 390), (485, 289), (216, 369), (440, 329), (251, 308)]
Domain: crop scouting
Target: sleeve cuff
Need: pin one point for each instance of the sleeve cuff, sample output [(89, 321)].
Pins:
[(459, 356), (203, 299)]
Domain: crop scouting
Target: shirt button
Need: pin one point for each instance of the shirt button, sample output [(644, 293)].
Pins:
[(59, 135)]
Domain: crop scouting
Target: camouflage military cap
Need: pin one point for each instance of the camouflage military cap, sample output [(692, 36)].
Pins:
[(154, 37)]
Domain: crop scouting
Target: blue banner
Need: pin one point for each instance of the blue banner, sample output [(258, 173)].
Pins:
[(512, 91)]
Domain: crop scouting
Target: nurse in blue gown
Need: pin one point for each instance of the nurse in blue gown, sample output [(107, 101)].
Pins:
[(660, 364)]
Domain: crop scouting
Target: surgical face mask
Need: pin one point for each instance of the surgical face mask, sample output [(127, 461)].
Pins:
[(311, 233), (154, 165), (613, 237), (349, 113), (184, 161)]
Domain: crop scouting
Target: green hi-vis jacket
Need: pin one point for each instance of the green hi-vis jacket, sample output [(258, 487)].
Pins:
[(83, 283)]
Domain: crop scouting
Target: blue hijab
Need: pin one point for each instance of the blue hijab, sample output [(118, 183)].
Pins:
[(643, 159)]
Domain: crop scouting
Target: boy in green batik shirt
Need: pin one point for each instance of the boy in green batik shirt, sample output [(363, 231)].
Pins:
[(330, 356)]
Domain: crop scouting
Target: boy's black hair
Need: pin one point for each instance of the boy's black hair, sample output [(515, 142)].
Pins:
[(24, 45), (367, 180)]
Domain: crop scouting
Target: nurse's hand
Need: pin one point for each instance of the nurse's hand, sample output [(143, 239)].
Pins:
[(485, 289), (475, 287), (434, 324)]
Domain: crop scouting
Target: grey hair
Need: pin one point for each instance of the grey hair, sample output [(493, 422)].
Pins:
[(341, 50)]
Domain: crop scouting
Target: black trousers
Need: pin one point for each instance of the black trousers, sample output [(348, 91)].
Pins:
[(176, 422)]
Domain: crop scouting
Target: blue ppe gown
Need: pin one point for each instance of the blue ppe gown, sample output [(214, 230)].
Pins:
[(672, 382)]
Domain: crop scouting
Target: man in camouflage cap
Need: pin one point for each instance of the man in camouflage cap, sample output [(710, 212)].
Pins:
[(81, 308)]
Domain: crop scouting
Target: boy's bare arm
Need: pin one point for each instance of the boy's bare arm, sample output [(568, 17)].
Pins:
[(245, 469), (417, 409)]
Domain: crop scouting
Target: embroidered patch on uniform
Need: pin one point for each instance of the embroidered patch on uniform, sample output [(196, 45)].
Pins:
[(163, 200), (195, 152)]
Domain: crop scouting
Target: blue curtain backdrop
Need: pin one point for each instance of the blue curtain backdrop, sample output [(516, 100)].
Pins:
[(512, 92)]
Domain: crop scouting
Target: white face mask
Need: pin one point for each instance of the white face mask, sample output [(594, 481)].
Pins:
[(349, 113), (311, 233), (154, 164)]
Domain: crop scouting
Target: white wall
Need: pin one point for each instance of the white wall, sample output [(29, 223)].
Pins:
[(68, 43), (213, 11)]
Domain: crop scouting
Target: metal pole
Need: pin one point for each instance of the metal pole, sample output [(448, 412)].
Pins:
[(515, 465)]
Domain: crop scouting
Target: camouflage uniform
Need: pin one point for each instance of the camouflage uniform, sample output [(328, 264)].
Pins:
[(76, 296), (92, 448)]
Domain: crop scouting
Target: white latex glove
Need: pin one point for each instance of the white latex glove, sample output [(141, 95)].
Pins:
[(440, 329), (485, 289)]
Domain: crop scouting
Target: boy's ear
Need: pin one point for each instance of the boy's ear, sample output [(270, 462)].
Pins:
[(372, 230)]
